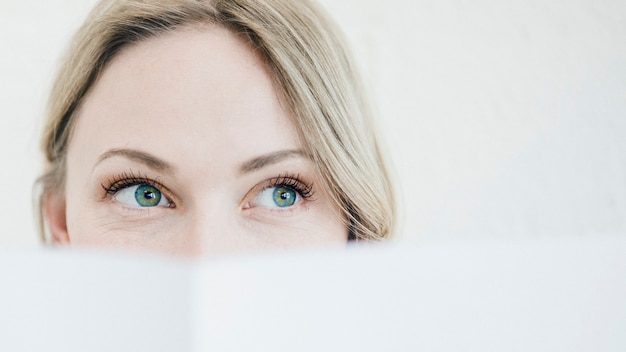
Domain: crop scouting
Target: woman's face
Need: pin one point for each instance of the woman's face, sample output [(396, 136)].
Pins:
[(182, 147)]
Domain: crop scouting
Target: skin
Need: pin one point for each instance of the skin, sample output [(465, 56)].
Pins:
[(195, 113)]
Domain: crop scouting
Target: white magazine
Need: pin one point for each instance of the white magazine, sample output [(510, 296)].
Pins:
[(540, 295)]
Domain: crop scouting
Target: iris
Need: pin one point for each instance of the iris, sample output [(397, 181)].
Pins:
[(283, 196), (147, 196)]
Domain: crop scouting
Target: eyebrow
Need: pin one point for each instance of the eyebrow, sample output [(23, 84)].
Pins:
[(136, 155), (161, 165), (270, 159)]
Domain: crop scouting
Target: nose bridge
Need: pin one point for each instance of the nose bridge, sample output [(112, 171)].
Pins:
[(212, 228)]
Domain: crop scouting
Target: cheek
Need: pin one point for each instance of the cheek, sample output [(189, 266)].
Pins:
[(318, 227), (328, 231), (97, 223)]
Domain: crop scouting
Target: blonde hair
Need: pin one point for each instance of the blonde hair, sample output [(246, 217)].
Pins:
[(307, 60)]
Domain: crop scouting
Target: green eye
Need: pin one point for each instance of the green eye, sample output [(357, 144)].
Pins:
[(283, 196), (138, 194), (147, 196)]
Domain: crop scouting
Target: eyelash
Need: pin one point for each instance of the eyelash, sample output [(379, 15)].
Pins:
[(293, 182), (129, 179)]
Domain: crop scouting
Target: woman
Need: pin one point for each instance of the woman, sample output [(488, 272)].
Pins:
[(190, 127)]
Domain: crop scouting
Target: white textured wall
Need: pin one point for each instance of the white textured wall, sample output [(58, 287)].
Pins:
[(505, 119)]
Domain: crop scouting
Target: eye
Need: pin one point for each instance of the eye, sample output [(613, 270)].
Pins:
[(142, 195), (277, 196)]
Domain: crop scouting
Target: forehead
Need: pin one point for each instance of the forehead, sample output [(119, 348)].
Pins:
[(202, 88)]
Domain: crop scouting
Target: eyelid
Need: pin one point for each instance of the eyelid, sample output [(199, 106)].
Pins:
[(129, 179), (127, 196), (303, 189), (294, 182)]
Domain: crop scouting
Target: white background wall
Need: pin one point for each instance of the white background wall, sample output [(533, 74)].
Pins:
[(505, 119)]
